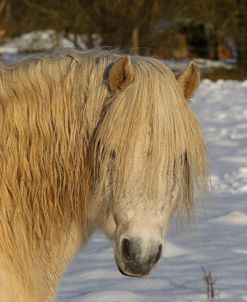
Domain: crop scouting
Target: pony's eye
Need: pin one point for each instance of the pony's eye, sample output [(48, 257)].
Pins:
[(184, 158), (112, 154)]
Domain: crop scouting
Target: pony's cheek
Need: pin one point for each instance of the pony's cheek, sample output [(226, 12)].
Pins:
[(108, 225)]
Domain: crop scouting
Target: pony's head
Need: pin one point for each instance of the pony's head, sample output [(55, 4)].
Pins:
[(148, 155)]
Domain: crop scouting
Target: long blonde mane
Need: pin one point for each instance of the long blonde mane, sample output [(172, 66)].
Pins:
[(153, 101), (59, 124)]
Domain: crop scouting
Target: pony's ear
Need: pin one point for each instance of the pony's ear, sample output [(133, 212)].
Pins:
[(121, 74), (189, 80)]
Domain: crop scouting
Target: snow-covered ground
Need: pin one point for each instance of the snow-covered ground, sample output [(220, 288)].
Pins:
[(216, 241), (204, 64), (39, 40)]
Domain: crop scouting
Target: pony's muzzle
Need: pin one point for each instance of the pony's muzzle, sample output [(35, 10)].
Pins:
[(134, 261)]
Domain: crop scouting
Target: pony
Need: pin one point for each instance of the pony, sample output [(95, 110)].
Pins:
[(93, 139)]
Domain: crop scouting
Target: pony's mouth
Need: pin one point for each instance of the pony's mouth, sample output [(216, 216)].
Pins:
[(128, 274)]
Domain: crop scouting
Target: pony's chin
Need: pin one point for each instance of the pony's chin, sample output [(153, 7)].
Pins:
[(129, 274)]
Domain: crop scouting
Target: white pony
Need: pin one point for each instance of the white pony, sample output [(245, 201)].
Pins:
[(91, 139)]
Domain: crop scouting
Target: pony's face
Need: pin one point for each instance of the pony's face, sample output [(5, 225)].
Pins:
[(145, 176), (136, 221)]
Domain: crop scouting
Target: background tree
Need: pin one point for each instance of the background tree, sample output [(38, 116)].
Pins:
[(126, 24), (227, 18)]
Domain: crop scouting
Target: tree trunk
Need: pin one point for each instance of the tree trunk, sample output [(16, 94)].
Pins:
[(212, 40), (241, 34), (135, 40), (75, 35), (58, 38)]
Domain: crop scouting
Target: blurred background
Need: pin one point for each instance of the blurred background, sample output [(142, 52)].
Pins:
[(212, 32)]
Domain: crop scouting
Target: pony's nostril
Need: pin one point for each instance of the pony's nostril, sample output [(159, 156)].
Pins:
[(157, 258), (126, 249)]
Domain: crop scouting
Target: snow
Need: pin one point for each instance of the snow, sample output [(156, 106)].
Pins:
[(36, 41), (216, 241), (204, 64), (234, 218)]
